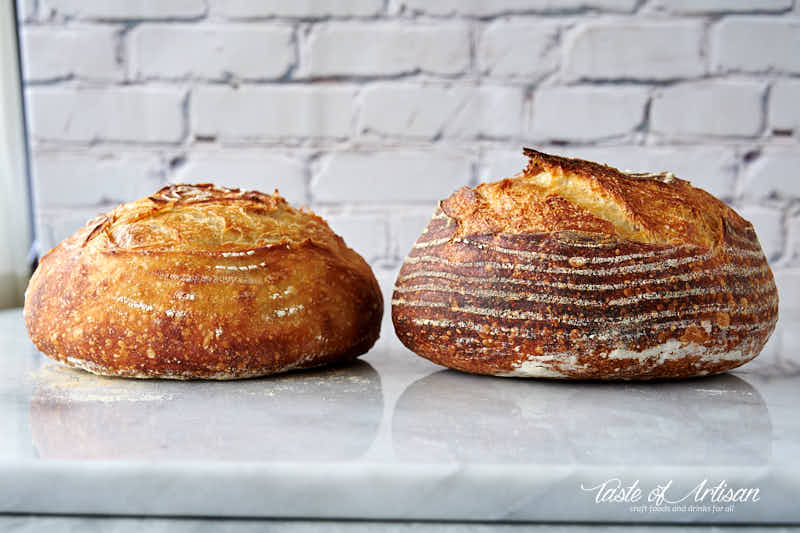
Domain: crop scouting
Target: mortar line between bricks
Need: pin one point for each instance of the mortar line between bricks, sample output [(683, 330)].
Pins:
[(401, 20), (444, 144), (427, 80)]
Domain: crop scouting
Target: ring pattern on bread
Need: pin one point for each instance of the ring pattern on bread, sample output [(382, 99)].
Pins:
[(198, 281), (573, 269)]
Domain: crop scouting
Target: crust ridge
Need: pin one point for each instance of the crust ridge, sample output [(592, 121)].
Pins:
[(555, 193)]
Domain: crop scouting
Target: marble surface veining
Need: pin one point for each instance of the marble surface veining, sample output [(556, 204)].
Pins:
[(393, 436)]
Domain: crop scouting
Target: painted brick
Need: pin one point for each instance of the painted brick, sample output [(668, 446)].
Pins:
[(249, 170), (110, 114), (584, 113), (756, 44), (483, 8), (396, 176), (406, 229), (784, 106), (721, 6), (216, 52), (123, 9), (518, 49), (243, 9), (386, 48), (768, 224), (427, 112), (272, 112), (636, 50), (366, 233), (66, 179), (87, 52), (774, 175), (793, 239), (708, 108), (489, 112), (788, 282)]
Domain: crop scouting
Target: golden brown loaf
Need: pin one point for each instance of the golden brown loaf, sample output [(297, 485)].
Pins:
[(573, 269), (198, 281)]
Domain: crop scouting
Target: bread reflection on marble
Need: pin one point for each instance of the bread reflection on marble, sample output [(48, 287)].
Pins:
[(451, 416), (77, 415)]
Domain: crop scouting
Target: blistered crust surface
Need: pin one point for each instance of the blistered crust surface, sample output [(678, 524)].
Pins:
[(206, 218), (531, 283), (561, 194), (203, 282)]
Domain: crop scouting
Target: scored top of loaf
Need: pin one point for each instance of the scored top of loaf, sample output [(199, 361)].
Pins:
[(206, 218), (556, 193)]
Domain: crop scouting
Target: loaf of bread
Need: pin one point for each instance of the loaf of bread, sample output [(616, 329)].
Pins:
[(573, 269), (198, 281)]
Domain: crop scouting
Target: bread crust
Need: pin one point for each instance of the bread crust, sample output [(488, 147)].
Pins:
[(523, 278), (198, 281)]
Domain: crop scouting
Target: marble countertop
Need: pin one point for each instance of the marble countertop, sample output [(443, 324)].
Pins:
[(395, 437), (84, 524)]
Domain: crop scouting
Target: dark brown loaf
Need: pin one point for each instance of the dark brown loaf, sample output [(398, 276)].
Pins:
[(198, 281), (573, 269)]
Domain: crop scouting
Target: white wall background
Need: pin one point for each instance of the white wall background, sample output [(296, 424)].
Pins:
[(369, 111), (15, 230)]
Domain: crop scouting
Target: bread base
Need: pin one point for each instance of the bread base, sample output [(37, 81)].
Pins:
[(648, 361), (302, 364)]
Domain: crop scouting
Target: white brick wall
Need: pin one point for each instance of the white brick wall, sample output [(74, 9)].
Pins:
[(246, 51), (122, 9), (431, 112), (80, 52), (587, 113), (784, 106), (247, 9), (370, 111), (70, 178), (792, 246), (273, 112), (756, 44), (482, 8), (389, 177), (134, 114), (629, 50), (729, 108), (773, 175), (365, 232), (501, 44), (722, 6), (385, 48), (406, 229), (768, 223)]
